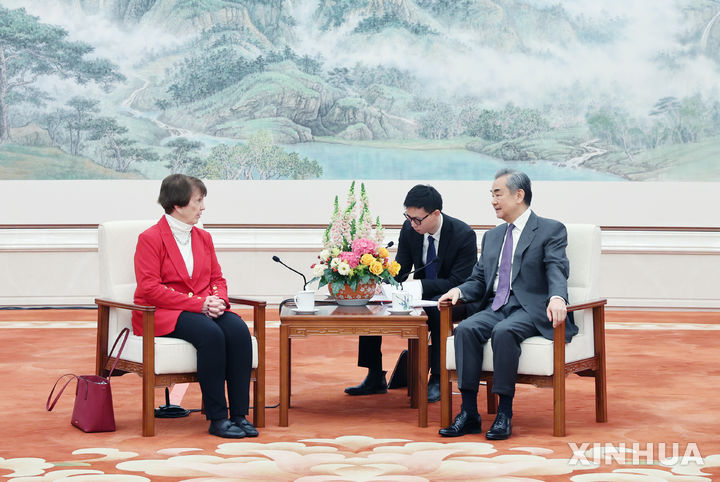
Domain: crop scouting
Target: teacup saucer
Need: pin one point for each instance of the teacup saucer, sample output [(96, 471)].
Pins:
[(305, 312), (399, 312)]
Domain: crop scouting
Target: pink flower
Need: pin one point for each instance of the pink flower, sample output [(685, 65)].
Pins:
[(363, 246), (352, 258)]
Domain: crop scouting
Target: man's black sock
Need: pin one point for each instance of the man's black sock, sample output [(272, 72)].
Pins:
[(505, 405), (469, 401)]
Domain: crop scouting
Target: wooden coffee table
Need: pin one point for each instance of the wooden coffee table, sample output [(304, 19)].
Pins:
[(370, 319)]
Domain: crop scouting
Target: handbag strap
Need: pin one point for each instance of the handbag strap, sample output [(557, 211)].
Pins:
[(49, 406), (126, 332)]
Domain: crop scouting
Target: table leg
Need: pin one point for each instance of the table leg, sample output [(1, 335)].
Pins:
[(284, 375), (412, 371), (422, 370)]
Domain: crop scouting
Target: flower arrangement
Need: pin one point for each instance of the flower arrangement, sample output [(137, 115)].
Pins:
[(352, 251)]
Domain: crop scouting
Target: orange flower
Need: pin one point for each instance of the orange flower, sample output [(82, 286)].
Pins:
[(376, 267), (367, 259)]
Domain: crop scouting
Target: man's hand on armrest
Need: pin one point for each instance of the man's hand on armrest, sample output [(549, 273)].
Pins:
[(556, 310), (453, 295)]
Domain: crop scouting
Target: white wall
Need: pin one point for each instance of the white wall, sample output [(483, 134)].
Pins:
[(309, 202), (663, 269)]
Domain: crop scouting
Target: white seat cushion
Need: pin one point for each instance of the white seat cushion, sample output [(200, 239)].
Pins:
[(172, 355), (536, 357)]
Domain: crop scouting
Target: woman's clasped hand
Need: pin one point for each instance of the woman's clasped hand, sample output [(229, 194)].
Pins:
[(213, 306)]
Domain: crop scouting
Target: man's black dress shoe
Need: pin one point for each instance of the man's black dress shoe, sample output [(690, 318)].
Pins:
[(433, 389), (463, 424), (501, 428), (226, 429), (374, 383), (245, 425)]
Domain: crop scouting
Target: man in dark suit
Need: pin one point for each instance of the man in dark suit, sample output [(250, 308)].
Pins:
[(427, 234), (521, 282)]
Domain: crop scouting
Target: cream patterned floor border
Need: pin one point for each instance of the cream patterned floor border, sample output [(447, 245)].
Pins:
[(351, 458)]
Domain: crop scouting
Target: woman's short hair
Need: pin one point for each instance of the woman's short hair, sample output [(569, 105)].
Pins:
[(177, 189)]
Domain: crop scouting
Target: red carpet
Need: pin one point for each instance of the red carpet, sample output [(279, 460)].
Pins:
[(662, 379)]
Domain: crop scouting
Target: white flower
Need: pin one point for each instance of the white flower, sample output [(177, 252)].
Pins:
[(334, 251), (319, 269), (334, 263), (324, 254), (344, 268)]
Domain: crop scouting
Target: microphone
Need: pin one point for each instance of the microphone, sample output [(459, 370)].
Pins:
[(277, 260), (387, 246), (420, 268)]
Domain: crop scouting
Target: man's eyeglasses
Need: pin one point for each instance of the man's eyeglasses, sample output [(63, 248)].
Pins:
[(414, 220)]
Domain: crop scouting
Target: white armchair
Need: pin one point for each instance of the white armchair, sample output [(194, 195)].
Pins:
[(546, 363), (159, 361)]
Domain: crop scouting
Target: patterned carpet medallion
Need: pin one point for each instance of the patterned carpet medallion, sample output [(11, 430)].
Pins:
[(360, 458)]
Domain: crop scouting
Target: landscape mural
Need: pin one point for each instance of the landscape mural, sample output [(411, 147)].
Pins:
[(372, 89)]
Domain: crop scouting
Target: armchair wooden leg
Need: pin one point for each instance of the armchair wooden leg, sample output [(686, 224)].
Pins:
[(492, 399), (558, 406), (600, 379), (259, 399), (101, 349), (445, 398), (600, 396), (148, 403), (148, 406)]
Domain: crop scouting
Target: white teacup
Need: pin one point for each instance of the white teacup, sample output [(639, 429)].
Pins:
[(401, 301), (305, 300)]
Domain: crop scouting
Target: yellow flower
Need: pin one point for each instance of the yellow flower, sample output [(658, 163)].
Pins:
[(383, 253), (366, 259), (394, 268), (376, 267)]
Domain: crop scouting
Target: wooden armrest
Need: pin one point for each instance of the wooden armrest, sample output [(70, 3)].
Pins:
[(559, 331), (247, 301), (124, 306), (587, 304)]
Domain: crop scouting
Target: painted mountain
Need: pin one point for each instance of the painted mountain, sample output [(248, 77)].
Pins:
[(436, 89)]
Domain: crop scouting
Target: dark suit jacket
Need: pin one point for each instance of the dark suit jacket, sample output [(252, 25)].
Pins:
[(457, 255), (540, 270), (163, 280)]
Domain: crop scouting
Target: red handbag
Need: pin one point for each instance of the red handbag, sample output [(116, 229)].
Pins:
[(93, 411)]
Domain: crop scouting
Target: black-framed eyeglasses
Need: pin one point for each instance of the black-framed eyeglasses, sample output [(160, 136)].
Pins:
[(414, 220)]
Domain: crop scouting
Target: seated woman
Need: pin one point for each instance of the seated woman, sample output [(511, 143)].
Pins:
[(177, 271)]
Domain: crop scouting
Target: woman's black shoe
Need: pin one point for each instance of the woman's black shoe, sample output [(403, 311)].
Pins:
[(226, 429), (245, 425)]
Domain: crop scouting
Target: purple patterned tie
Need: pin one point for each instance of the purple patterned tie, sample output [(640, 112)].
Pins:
[(502, 294)]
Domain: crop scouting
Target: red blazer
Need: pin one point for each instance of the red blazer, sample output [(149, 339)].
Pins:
[(163, 280)]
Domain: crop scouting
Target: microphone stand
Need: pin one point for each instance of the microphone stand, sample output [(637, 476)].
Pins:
[(277, 260), (418, 270)]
